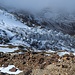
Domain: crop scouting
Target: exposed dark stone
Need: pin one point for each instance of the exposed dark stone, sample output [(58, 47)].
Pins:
[(68, 58), (28, 72), (21, 47), (5, 59), (64, 66), (13, 69), (24, 62), (41, 60)]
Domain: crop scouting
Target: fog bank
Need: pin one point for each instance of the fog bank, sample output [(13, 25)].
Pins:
[(37, 5)]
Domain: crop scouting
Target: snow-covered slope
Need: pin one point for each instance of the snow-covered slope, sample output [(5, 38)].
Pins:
[(52, 14), (7, 22), (14, 32)]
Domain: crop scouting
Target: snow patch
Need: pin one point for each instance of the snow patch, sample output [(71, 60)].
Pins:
[(5, 50), (6, 70), (62, 53)]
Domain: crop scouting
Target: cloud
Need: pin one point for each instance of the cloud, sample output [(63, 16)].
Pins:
[(37, 5)]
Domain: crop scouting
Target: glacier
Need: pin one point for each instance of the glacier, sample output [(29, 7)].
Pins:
[(13, 31)]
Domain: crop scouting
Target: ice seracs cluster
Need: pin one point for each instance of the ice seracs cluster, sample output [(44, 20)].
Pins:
[(18, 33)]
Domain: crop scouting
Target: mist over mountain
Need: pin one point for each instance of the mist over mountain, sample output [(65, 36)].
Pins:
[(52, 14), (35, 5), (46, 24)]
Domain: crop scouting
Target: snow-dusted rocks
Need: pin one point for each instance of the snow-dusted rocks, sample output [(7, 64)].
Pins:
[(8, 70)]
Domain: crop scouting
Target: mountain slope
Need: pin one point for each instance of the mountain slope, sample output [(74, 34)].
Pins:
[(57, 15), (12, 31)]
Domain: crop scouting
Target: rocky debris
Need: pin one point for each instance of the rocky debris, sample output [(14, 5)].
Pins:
[(38, 63), (3, 73), (64, 66), (26, 72), (6, 64), (55, 70), (13, 69)]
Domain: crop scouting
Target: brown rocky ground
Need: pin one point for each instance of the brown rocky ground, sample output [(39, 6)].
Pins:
[(39, 63)]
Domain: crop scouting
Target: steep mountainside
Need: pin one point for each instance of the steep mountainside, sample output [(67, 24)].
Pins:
[(57, 15), (37, 37), (59, 21), (13, 31)]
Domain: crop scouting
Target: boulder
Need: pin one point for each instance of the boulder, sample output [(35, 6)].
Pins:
[(13, 69)]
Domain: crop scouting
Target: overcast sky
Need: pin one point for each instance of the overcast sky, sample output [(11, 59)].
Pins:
[(40, 4)]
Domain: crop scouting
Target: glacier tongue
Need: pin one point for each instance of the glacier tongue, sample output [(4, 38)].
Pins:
[(14, 32)]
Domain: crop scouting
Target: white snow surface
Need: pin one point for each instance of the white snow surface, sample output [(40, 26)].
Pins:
[(5, 50), (8, 20), (62, 53), (6, 70)]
